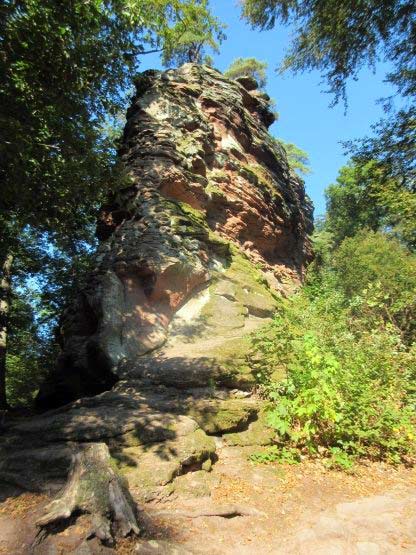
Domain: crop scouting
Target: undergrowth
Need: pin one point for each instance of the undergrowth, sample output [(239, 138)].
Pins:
[(345, 345)]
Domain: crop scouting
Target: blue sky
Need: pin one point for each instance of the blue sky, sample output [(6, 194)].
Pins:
[(305, 116)]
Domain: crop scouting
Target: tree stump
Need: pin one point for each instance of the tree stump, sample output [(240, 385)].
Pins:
[(94, 487)]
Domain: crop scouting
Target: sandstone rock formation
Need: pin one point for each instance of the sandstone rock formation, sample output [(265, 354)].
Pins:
[(192, 257), (213, 209)]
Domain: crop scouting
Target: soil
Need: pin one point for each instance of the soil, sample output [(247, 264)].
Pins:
[(300, 509)]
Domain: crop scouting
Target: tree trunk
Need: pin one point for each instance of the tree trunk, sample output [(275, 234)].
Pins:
[(5, 293), (94, 487)]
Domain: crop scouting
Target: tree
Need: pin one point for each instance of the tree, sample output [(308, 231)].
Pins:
[(63, 70), (298, 159), (248, 67), (363, 197), (393, 146), (5, 289), (28, 351), (340, 38), (200, 32), (378, 267), (350, 202)]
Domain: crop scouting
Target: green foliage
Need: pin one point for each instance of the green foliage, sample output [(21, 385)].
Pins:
[(340, 460), (44, 280), (339, 39), (27, 354), (345, 346), (298, 159), (364, 196), (350, 202), (393, 147), (378, 275), (199, 31), (283, 455), (248, 67)]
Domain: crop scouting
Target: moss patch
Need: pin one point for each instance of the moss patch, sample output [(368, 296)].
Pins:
[(258, 433), (192, 222), (215, 192), (221, 312), (261, 178), (157, 465), (252, 289), (216, 417), (219, 176)]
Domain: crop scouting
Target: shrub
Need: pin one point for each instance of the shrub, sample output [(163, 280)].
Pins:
[(379, 274), (347, 373)]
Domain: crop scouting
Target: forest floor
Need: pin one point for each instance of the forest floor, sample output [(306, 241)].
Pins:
[(302, 509)]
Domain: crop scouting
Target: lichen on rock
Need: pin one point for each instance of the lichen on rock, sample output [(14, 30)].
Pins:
[(206, 178)]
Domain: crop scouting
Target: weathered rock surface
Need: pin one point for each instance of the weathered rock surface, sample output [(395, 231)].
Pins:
[(192, 257), (212, 202)]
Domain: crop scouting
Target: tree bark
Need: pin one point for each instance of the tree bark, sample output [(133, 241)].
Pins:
[(5, 294), (94, 487)]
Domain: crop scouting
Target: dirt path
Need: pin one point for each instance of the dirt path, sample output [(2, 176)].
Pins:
[(303, 509)]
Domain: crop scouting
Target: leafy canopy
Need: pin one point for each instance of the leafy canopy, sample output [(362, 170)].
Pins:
[(339, 38), (393, 147), (363, 196)]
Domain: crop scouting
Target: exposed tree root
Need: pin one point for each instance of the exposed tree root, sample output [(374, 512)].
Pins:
[(94, 487), (225, 511)]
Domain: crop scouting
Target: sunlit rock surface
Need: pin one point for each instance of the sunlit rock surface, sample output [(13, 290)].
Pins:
[(213, 218)]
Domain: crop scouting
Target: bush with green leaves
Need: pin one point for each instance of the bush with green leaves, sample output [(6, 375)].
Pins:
[(378, 276), (335, 364)]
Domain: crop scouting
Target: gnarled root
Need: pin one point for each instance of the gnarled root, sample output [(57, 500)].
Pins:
[(94, 487)]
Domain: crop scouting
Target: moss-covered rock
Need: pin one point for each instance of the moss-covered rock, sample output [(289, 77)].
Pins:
[(147, 467), (200, 162), (218, 417), (258, 433)]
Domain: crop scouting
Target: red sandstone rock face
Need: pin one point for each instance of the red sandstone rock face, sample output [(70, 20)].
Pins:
[(205, 175), (223, 163)]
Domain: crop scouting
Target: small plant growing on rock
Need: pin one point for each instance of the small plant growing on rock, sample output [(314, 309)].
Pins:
[(248, 67)]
